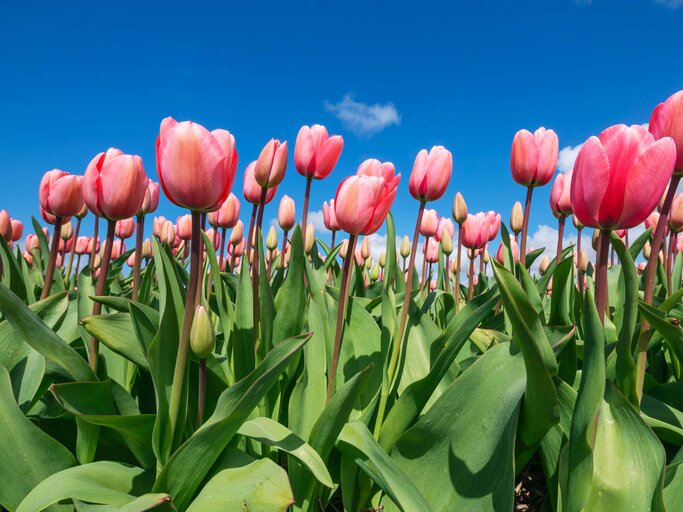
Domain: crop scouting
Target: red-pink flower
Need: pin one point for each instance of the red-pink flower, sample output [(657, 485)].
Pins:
[(651, 221), (118, 248), (430, 223), (329, 218), (363, 201), (17, 229), (252, 190), (92, 241), (151, 199), (431, 174), (445, 224), (114, 185), (430, 247), (271, 164), (316, 153), (5, 226), (183, 227), (125, 228), (533, 158), (494, 224), (620, 176), (560, 198), (676, 213), (500, 254), (196, 167), (286, 213), (61, 193), (226, 216), (475, 231), (667, 121), (31, 242), (82, 245)]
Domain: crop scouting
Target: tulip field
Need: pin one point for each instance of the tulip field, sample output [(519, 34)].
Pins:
[(227, 366)]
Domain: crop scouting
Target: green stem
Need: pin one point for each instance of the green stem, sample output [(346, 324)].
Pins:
[(139, 232), (93, 355), (525, 225), (54, 250)]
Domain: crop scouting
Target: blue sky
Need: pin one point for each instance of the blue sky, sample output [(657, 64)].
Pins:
[(79, 77)]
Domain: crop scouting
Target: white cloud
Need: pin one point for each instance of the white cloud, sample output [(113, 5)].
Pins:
[(671, 4), (361, 118), (316, 218), (567, 157)]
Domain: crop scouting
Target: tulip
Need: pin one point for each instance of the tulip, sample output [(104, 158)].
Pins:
[(365, 248), (459, 209), (382, 258), (93, 245), (28, 257), (431, 174), (196, 167), (447, 242), (167, 233), (253, 192), (151, 200), (330, 220), (5, 226), (147, 249), (429, 224), (225, 217), (184, 227), (445, 225), (31, 243), (676, 213), (125, 228), (667, 121), (17, 229), (271, 239), (310, 238), (494, 224), (475, 231), (560, 201), (500, 254), (374, 273), (543, 266), (431, 251), (81, 245), (271, 164), (118, 248), (405, 247), (237, 234), (286, 216), (158, 225), (202, 342), (516, 218), (61, 194), (149, 205)]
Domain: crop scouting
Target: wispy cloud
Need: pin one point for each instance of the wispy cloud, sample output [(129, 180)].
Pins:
[(362, 118), (671, 4), (567, 157)]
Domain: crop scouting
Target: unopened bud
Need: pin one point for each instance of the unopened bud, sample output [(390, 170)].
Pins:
[(368, 263), (202, 338), (382, 259), (310, 238), (595, 238), (67, 231), (271, 239), (517, 218), (577, 222), (344, 248), (237, 233), (405, 247), (543, 267), (374, 273), (459, 209), (365, 248), (446, 242)]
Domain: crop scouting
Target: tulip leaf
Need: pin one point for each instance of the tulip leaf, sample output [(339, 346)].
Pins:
[(290, 301), (12, 274), (116, 331), (243, 359)]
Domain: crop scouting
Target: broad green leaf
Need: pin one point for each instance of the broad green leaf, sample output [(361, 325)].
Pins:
[(290, 301), (116, 331), (244, 359)]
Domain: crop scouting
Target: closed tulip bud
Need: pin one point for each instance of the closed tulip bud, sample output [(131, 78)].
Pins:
[(114, 185), (533, 158), (487, 258), (167, 233), (363, 201), (125, 228), (431, 174), (365, 248), (61, 193), (286, 213), (5, 226), (147, 251), (31, 243), (560, 201), (475, 231), (404, 250), (446, 243), (594, 239), (629, 157), (329, 218), (28, 257), (271, 164), (151, 200), (238, 248), (667, 121), (196, 167), (382, 258), (118, 248), (500, 254), (543, 266), (374, 273), (271, 239), (316, 153), (647, 249), (367, 263), (66, 245), (17, 229), (459, 209), (81, 245), (67, 231), (516, 218), (676, 213), (584, 261), (215, 238), (252, 190), (641, 267), (310, 238), (97, 262), (344, 248), (430, 223), (183, 226), (431, 250), (130, 261), (227, 215), (237, 234), (651, 221), (158, 224), (577, 222), (83, 211), (202, 337), (89, 247)]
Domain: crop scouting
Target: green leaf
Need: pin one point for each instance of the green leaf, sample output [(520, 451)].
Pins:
[(185, 470), (272, 433), (27, 454), (41, 338), (243, 360), (104, 482), (42, 241), (117, 333), (390, 253), (357, 442), (245, 484), (290, 301)]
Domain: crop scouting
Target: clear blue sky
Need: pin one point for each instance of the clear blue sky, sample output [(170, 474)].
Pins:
[(79, 77)]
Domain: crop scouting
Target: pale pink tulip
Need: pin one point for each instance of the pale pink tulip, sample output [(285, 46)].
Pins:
[(533, 158), (431, 174), (316, 153)]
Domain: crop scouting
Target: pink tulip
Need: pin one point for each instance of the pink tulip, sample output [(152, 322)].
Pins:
[(49, 218), (31, 242), (667, 121), (167, 234), (227, 215), (28, 257), (475, 231), (431, 250), (560, 200), (431, 174), (82, 245), (271, 164), (329, 218), (5, 226), (17, 229), (237, 249), (494, 224), (252, 190), (115, 185), (125, 228), (621, 233), (432, 285), (447, 225), (500, 254), (533, 159), (61, 193), (151, 200), (430, 223), (131, 260), (215, 238), (286, 214), (363, 201), (117, 249), (183, 227), (158, 224), (676, 213), (65, 246), (651, 221), (620, 176), (89, 248), (237, 233), (316, 153), (641, 267), (196, 167)]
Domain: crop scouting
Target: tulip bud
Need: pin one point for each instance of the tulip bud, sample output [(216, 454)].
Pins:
[(583, 262), (431, 174), (404, 250), (446, 243), (125, 228), (676, 213), (594, 239), (577, 222), (344, 248), (374, 273), (83, 212), (151, 199), (429, 224), (202, 338), (237, 233), (5, 226), (32, 243), (183, 225), (168, 233), (310, 238), (271, 164), (487, 258), (543, 267), (147, 251), (365, 248), (647, 249), (382, 258), (368, 263), (17, 229), (459, 209), (517, 218), (271, 239), (286, 213), (67, 231)]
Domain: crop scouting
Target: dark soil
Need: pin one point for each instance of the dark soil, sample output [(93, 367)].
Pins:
[(530, 487)]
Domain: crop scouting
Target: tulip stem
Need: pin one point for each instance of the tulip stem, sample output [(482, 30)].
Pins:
[(579, 270), (222, 250), (255, 268), (560, 235), (139, 232), (67, 278), (601, 275), (447, 274), (670, 263), (304, 217), (95, 240), (456, 284), (93, 355), (54, 250), (200, 265), (341, 313), (650, 271), (201, 399), (525, 225), (470, 284), (250, 234), (423, 275), (184, 341), (284, 249)]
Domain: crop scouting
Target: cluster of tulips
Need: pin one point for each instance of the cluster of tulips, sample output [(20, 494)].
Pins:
[(213, 350)]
